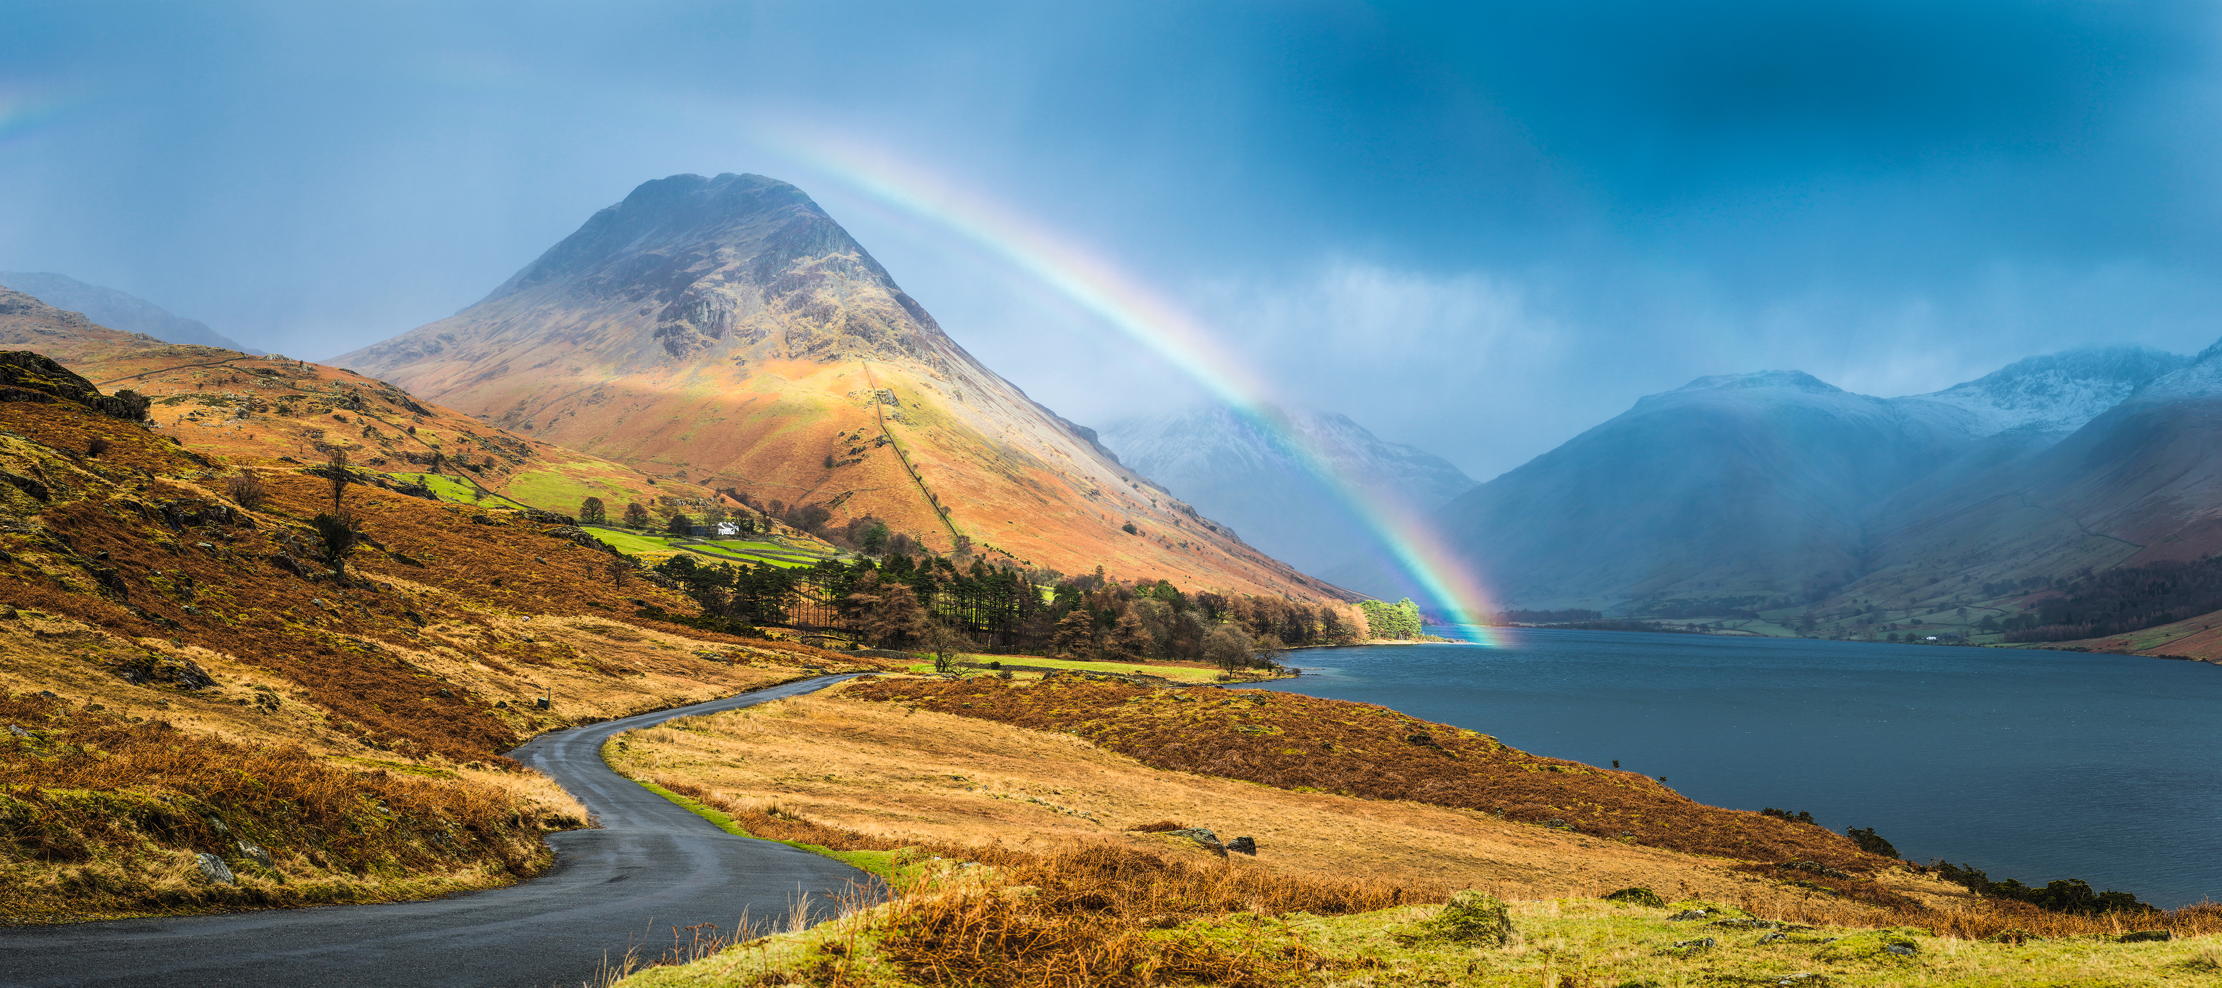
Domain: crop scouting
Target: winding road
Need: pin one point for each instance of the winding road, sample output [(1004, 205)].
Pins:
[(649, 869)]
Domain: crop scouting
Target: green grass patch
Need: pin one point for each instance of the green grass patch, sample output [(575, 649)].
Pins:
[(892, 867), (783, 562), (756, 545), (631, 543), (564, 488), (442, 486)]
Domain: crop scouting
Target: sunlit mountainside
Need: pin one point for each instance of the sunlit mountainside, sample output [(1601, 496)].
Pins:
[(726, 331)]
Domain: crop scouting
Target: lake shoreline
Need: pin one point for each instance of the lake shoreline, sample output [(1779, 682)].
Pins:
[(1752, 722)]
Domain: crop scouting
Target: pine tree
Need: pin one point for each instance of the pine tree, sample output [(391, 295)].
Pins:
[(1075, 637), (1130, 642), (884, 612)]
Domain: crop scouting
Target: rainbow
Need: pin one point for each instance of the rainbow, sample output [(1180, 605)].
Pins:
[(1165, 329)]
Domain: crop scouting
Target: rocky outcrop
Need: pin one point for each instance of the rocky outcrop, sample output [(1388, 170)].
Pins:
[(32, 377)]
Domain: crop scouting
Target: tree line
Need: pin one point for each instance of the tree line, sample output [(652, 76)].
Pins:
[(931, 603), (2110, 602), (1399, 621)]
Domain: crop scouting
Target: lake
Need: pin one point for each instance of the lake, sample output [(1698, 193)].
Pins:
[(2027, 764)]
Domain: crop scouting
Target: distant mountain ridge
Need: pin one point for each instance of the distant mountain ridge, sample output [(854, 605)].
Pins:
[(2056, 392), (116, 309), (726, 330), (1777, 492), (1243, 473)]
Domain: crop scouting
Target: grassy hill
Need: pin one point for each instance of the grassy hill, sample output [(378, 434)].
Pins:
[(272, 409), (183, 674)]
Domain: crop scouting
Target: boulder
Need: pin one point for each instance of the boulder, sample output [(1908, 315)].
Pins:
[(1243, 845), (2145, 936), (1204, 838), (215, 870), (1685, 948)]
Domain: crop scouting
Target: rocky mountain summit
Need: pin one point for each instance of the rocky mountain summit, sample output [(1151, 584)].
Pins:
[(728, 331)]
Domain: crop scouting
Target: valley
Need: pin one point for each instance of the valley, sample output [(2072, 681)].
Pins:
[(1006, 495)]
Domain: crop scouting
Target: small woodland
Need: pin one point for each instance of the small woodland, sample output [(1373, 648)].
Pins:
[(929, 603), (2118, 600)]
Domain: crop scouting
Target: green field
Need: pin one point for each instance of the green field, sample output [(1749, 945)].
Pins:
[(633, 543), (563, 490), (444, 487), (731, 550)]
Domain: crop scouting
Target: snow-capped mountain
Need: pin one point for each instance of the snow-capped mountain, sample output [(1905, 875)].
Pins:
[(1775, 489), (2057, 392), (1242, 471)]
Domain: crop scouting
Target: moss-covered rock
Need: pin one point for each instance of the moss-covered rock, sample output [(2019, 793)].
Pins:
[(1636, 895), (1471, 918)]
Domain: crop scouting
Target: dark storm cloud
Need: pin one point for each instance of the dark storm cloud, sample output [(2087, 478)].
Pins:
[(1527, 213)]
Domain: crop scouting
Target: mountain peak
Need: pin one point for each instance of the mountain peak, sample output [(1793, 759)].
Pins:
[(727, 331), (1794, 380), (685, 218), (2057, 392), (694, 271)]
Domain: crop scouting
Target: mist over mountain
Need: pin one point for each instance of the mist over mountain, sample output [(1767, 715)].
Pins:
[(116, 309), (727, 331), (1777, 492), (1244, 473)]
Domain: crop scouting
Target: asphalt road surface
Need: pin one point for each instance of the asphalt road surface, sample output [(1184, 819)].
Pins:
[(649, 868)]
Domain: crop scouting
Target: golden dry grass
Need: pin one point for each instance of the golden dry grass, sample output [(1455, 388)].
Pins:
[(920, 777), (103, 814), (136, 596), (1300, 742)]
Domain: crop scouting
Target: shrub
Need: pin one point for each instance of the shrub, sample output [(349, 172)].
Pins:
[(1871, 842), (337, 536), (246, 490)]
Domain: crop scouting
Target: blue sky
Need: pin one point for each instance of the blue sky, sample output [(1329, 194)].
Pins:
[(1478, 227)]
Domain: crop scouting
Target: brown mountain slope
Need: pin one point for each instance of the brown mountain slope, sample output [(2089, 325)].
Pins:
[(180, 674), (728, 331), (272, 409)]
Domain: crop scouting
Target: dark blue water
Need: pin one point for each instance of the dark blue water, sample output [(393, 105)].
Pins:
[(2027, 764)]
